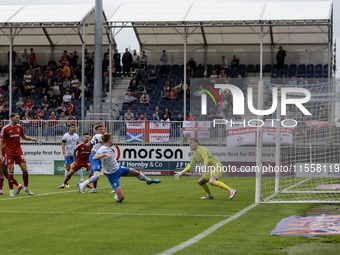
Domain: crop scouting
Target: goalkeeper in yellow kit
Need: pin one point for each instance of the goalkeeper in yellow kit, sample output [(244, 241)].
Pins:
[(213, 166)]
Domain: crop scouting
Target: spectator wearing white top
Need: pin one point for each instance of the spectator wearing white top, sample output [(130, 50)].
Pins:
[(145, 99), (67, 97), (128, 99)]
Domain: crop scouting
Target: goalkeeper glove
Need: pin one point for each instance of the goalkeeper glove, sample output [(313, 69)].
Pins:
[(178, 175)]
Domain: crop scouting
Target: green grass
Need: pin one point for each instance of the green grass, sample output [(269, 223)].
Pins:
[(151, 219)]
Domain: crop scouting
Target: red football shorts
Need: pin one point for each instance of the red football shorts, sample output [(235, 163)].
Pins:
[(77, 166), (12, 158)]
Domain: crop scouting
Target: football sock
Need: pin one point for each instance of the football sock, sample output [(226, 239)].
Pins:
[(142, 177), (95, 184), (25, 178), (15, 182), (206, 188), (221, 185), (93, 178), (80, 173), (10, 180), (1, 182), (68, 177), (66, 173)]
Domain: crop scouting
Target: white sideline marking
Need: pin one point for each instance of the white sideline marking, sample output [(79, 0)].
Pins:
[(112, 213), (200, 236), (46, 194)]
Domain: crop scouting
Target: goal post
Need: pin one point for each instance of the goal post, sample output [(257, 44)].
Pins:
[(306, 169)]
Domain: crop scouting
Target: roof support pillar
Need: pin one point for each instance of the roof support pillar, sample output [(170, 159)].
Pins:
[(10, 68), (98, 91), (185, 73)]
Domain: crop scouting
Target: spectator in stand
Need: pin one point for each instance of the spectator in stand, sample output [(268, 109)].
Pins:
[(190, 73), (220, 114), (239, 82), (192, 64), (52, 120), (70, 108), (167, 86), (230, 117), (74, 81), (41, 82), (16, 89), (40, 113), (67, 97), (73, 60), (140, 88), (71, 120), (77, 69), (292, 81), (29, 104), (173, 95), (59, 72), (280, 58), (127, 60), (43, 92), (133, 88), (52, 64), (25, 58), (154, 118), (63, 60), (165, 94), (135, 61), (206, 72), (153, 78), (145, 99), (28, 77), (179, 88), (26, 92), (143, 61), (142, 117), (61, 109), (165, 117), (128, 99), (301, 80), (116, 60), (35, 120), (45, 104), (179, 120), (163, 62), (19, 105), (4, 108), (38, 72), (224, 63), (282, 80), (129, 115), (213, 74), (107, 77), (191, 117), (25, 120), (67, 70), (158, 113), (32, 58), (14, 57), (234, 63), (222, 75), (211, 114), (62, 120), (77, 93), (55, 88), (88, 95), (166, 110)]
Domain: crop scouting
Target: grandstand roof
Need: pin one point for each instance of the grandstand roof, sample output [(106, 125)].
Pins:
[(53, 25), (225, 22)]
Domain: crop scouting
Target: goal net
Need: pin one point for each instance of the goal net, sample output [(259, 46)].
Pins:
[(306, 169)]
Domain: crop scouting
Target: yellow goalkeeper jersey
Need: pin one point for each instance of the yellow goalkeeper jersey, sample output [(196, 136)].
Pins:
[(204, 156)]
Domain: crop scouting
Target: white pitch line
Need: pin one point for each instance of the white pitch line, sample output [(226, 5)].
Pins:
[(112, 213), (200, 236), (46, 194)]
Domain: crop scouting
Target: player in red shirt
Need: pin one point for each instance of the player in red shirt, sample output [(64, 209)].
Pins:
[(80, 159), (10, 135), (4, 173)]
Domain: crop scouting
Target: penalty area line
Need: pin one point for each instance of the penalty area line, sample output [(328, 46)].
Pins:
[(112, 213), (46, 194), (206, 232)]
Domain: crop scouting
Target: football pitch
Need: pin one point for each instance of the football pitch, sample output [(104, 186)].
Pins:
[(165, 218)]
